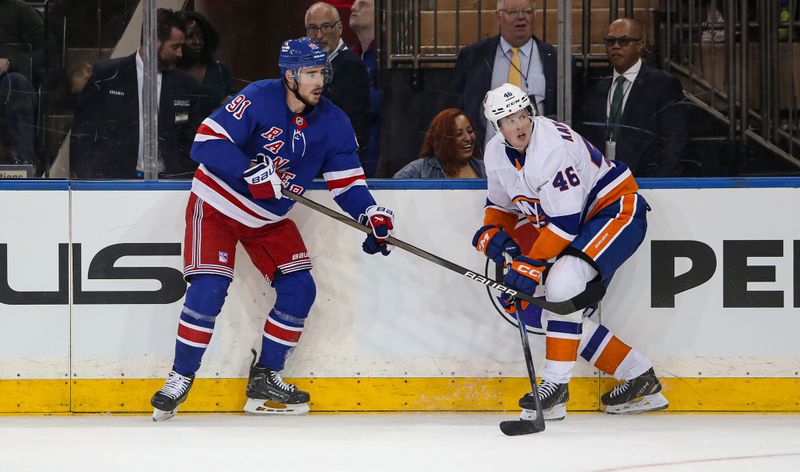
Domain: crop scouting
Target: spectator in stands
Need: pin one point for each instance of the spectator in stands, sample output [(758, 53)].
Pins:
[(22, 63), (349, 88), (199, 47), (515, 56), (449, 150), (107, 134), (638, 114), (362, 22)]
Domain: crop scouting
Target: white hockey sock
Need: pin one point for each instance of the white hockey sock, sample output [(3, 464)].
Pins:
[(634, 365)]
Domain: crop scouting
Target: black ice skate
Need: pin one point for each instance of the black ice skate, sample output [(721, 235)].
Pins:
[(268, 394), (165, 401), (636, 395), (552, 396)]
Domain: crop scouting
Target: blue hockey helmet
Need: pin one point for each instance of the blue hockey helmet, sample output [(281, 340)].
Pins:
[(301, 52)]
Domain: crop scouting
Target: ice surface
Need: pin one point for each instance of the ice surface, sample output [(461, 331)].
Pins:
[(399, 442)]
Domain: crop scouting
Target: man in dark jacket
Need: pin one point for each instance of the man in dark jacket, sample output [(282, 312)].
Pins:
[(22, 57), (107, 139), (638, 114), (362, 22), (349, 88), (515, 56)]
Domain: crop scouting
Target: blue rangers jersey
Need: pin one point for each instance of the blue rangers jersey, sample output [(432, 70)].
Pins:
[(258, 121)]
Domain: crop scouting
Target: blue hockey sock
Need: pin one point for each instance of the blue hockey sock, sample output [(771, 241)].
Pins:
[(204, 300), (295, 295)]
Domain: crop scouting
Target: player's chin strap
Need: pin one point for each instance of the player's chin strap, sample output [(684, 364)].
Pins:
[(297, 95), (592, 294)]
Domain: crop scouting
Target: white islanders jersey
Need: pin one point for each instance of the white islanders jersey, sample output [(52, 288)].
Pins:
[(559, 183)]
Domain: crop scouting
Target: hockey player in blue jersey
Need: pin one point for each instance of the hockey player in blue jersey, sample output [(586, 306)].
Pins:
[(275, 134)]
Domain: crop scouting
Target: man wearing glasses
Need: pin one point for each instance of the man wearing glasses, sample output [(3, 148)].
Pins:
[(636, 115), (349, 87), (515, 56)]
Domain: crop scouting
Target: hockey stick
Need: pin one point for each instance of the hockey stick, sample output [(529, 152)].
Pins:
[(590, 296), (520, 427)]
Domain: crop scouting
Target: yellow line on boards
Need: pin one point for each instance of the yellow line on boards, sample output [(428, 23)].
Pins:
[(390, 394)]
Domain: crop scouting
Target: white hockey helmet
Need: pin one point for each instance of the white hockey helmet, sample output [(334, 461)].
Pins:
[(503, 101)]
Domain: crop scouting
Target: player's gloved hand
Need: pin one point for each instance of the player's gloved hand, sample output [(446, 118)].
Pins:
[(493, 242), (525, 274), (381, 220), (262, 178), (509, 303)]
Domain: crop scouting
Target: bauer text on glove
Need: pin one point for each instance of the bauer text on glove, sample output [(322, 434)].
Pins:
[(262, 178)]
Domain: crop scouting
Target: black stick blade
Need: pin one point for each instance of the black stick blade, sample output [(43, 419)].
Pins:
[(520, 427)]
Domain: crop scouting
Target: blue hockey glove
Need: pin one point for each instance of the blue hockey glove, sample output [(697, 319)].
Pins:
[(262, 178), (493, 242), (525, 274), (381, 220)]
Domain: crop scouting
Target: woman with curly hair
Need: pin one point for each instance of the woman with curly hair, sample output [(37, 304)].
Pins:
[(199, 47), (448, 150)]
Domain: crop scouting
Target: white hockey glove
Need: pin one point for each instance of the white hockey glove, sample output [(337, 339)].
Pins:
[(262, 178), (381, 220)]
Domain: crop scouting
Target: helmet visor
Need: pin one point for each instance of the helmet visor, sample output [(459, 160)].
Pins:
[(314, 75), (515, 120)]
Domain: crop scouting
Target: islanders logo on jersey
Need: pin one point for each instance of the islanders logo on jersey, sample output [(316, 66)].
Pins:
[(532, 209)]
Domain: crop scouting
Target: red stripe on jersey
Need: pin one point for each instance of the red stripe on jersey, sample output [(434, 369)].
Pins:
[(189, 334), (281, 333), (205, 130), (211, 183), (342, 183)]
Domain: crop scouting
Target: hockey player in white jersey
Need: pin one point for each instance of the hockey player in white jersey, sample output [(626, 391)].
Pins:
[(590, 220)]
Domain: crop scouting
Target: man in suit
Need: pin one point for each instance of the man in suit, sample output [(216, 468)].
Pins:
[(362, 22), (107, 134), (638, 114), (349, 87), (515, 56)]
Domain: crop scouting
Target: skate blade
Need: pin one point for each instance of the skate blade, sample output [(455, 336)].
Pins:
[(654, 402), (161, 415), (258, 407), (557, 413)]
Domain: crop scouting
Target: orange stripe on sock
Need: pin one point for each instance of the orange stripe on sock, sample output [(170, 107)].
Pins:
[(612, 356), (559, 349)]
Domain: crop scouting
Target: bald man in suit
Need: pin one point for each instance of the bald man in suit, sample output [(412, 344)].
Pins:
[(638, 114)]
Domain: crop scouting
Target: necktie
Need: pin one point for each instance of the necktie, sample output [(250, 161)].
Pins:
[(616, 108), (514, 76)]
